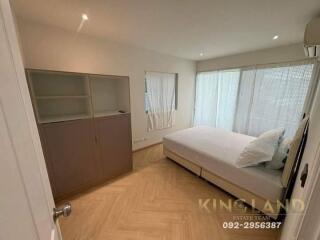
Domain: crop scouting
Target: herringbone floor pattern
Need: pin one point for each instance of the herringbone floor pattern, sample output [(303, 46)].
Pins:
[(158, 200)]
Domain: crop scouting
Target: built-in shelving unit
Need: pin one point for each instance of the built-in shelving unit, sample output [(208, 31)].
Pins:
[(61, 96), (96, 145)]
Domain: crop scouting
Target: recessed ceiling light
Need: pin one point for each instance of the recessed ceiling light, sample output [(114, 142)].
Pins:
[(275, 37), (85, 17), (201, 54)]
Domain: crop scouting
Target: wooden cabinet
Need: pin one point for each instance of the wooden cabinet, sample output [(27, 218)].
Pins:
[(71, 157), (114, 144), (85, 127)]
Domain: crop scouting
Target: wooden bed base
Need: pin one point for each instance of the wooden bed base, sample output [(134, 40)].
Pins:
[(250, 198)]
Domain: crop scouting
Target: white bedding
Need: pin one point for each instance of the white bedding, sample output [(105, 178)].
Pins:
[(216, 150)]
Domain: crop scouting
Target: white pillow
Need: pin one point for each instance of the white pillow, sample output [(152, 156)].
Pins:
[(277, 161), (261, 149)]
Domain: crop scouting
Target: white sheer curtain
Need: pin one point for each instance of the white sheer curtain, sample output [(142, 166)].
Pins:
[(244, 103), (216, 94), (206, 102), (160, 100), (265, 98), (277, 98)]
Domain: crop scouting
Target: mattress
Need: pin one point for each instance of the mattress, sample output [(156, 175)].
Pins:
[(216, 150)]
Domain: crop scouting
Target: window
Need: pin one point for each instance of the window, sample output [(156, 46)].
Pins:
[(160, 99), (216, 95), (277, 98), (254, 100)]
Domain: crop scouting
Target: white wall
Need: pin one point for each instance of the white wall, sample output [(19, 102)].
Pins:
[(51, 48), (46, 47), (272, 55)]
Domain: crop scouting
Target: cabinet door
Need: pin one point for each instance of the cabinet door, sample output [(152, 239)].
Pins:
[(70, 155), (114, 141)]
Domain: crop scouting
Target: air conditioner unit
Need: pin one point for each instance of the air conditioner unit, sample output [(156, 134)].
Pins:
[(312, 38)]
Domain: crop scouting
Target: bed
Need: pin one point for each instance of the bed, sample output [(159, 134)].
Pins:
[(211, 153)]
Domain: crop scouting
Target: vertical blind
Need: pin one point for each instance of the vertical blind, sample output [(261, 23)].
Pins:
[(252, 101)]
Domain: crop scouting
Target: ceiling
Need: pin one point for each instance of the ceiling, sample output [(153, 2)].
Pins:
[(182, 28)]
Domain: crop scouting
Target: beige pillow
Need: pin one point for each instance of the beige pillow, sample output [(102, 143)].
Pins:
[(294, 147)]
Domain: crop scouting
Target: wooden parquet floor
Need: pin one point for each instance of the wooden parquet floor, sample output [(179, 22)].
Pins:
[(158, 200)]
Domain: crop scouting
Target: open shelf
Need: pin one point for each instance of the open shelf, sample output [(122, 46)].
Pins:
[(108, 113), (109, 95), (60, 96), (52, 119), (47, 83), (53, 109)]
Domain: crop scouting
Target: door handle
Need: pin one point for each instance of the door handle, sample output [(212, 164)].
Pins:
[(304, 175), (63, 211)]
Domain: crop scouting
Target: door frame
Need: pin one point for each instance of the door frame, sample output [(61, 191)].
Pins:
[(309, 226), (25, 141)]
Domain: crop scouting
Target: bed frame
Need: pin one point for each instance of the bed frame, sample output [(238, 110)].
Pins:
[(288, 177), (226, 185)]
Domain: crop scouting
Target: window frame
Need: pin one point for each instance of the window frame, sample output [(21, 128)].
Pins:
[(176, 77)]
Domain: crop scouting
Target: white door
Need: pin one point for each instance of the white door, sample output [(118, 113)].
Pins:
[(311, 157), (26, 202)]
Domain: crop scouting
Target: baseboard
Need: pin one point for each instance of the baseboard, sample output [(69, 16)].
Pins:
[(150, 145)]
